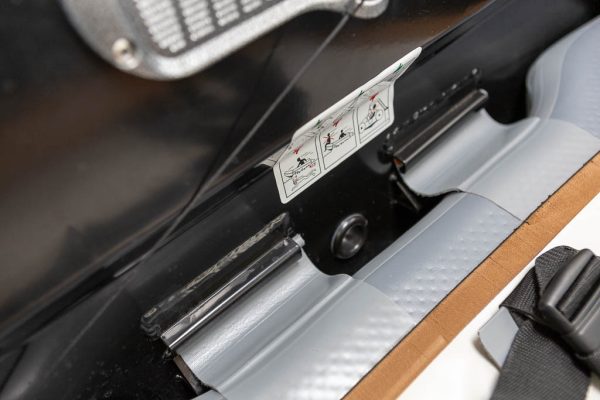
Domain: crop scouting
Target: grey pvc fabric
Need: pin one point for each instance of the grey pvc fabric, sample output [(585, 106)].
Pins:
[(305, 335), (425, 264), (517, 166), (564, 83)]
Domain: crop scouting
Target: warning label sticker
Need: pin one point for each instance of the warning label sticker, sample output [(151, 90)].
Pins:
[(339, 132)]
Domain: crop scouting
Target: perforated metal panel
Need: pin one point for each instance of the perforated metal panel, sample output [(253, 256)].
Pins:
[(168, 39), (175, 26)]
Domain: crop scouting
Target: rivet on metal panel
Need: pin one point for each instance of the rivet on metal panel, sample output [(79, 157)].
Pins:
[(125, 54)]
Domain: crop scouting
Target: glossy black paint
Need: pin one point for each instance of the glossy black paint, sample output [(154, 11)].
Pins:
[(94, 161)]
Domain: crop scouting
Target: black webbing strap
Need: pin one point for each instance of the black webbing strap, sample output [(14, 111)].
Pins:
[(541, 364)]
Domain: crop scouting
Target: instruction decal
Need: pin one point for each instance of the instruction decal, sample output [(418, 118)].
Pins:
[(339, 132)]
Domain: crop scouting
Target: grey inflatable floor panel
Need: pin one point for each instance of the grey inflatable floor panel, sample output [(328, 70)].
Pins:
[(564, 83), (515, 166), (426, 263), (518, 166), (303, 335), (306, 335)]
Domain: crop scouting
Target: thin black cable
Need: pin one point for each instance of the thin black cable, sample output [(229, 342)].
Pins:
[(206, 184)]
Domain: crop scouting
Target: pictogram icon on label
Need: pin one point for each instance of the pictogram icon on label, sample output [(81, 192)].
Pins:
[(336, 134)]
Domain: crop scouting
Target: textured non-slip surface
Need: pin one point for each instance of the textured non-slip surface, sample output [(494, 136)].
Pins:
[(422, 267), (517, 166), (325, 357), (452, 373), (306, 335), (537, 167), (398, 369), (303, 335), (564, 83)]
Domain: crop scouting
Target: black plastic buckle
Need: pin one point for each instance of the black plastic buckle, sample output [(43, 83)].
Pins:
[(582, 331)]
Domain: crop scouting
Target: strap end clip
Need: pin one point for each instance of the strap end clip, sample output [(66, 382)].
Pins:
[(582, 329)]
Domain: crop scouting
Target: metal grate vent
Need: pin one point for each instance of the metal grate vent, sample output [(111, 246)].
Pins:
[(198, 18), (168, 39), (174, 25), (161, 20)]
